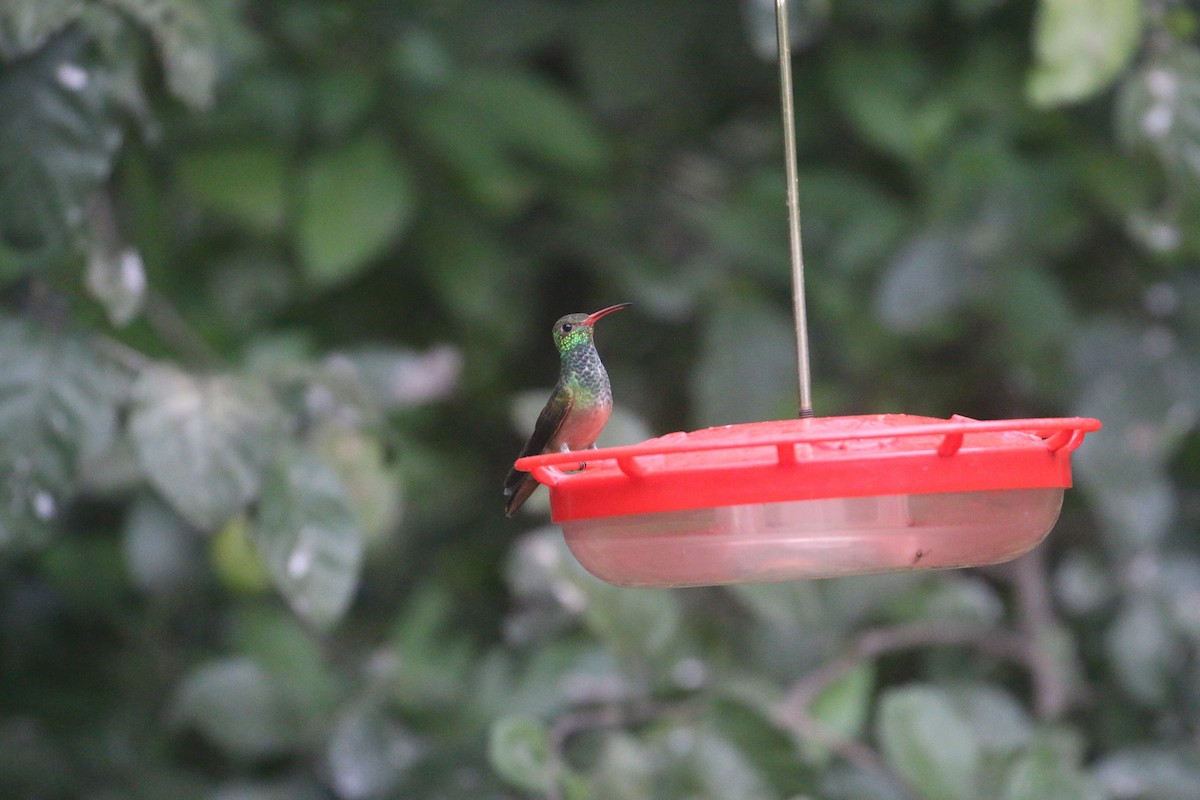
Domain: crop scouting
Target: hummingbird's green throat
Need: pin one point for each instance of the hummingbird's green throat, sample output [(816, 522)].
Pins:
[(578, 407)]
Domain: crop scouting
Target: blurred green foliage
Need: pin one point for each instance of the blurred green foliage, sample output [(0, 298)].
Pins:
[(277, 279)]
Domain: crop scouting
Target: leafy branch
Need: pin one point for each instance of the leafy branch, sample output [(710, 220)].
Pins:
[(1028, 644)]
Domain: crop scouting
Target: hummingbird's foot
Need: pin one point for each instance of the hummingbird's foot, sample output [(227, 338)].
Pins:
[(582, 464)]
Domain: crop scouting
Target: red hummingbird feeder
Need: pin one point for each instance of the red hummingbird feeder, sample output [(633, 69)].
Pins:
[(812, 497)]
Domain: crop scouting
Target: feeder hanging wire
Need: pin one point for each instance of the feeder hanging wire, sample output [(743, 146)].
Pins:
[(784, 51)]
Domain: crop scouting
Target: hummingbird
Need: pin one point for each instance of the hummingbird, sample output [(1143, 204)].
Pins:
[(578, 407)]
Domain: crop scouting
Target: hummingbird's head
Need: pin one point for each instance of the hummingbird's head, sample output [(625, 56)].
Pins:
[(575, 330)]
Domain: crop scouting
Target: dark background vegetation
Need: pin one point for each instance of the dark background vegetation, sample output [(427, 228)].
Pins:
[(277, 286)]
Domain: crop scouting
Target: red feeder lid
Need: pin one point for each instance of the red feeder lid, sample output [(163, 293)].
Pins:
[(810, 459)]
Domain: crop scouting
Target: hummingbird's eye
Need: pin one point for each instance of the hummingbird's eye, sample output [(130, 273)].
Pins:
[(566, 327)]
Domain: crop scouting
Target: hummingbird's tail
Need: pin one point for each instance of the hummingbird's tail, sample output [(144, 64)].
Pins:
[(517, 488)]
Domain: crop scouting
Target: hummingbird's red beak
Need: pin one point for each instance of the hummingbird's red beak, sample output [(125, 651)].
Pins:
[(591, 319)]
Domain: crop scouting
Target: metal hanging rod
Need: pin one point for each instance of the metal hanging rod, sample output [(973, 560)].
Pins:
[(784, 51)]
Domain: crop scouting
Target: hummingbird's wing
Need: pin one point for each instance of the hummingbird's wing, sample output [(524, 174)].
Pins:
[(519, 485)]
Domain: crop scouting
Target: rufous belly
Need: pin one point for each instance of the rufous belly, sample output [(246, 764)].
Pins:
[(581, 427)]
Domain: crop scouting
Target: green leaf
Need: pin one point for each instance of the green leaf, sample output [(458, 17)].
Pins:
[(237, 563), (25, 25), (850, 223), (888, 92), (749, 225), (899, 17), (160, 551), (341, 99), (533, 118), (843, 706), (746, 371), (1177, 587), (928, 279), (396, 378), (1158, 108), (636, 624), (1124, 470), (471, 269), (245, 182), (58, 399), (296, 661), (353, 203), (86, 573), (642, 623), (624, 769), (1162, 772), (841, 782), (419, 57), (1036, 312), (235, 703), (369, 753), (960, 596), (289, 788), (537, 682), (471, 152), (372, 486), (59, 148), (309, 536), (723, 772), (186, 44), (1080, 46), (433, 658), (928, 742), (58, 408), (793, 608), (790, 626), (997, 721), (974, 9), (1081, 583), (625, 67), (1046, 771), (993, 203), (203, 441), (1142, 651), (519, 751), (767, 750)]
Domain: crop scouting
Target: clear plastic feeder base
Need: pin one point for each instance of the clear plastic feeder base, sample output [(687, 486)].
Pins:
[(814, 538), (812, 498)]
